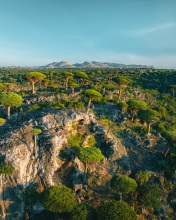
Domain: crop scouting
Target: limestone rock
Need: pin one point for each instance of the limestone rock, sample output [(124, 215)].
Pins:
[(17, 150)]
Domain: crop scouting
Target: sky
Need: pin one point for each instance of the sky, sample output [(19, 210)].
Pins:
[(38, 32)]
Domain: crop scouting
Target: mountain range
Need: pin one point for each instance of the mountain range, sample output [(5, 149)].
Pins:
[(93, 64)]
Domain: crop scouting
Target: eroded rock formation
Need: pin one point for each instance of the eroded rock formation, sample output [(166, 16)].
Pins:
[(45, 167)]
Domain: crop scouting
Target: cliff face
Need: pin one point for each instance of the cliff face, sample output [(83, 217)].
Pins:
[(41, 166)]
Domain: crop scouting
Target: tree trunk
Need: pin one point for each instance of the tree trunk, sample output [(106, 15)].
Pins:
[(132, 116), (85, 173), (33, 89), (110, 94), (143, 210), (8, 112), (66, 83), (148, 128), (134, 197), (73, 90), (89, 102), (123, 110), (167, 151), (120, 194), (173, 92), (119, 92), (35, 145), (2, 198), (104, 90), (109, 129)]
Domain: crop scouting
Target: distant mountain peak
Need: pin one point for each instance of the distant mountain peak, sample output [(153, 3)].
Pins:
[(62, 64), (93, 64)]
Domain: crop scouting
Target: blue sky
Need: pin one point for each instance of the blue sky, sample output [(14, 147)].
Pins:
[(37, 32)]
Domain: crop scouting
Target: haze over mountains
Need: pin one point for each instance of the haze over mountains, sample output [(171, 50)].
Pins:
[(93, 64)]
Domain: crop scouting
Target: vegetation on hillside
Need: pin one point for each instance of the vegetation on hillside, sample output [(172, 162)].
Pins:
[(135, 106)]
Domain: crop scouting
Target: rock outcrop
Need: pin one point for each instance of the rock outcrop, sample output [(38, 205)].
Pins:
[(44, 167)]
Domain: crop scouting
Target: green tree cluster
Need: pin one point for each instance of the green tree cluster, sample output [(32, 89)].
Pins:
[(123, 184), (114, 210), (58, 199)]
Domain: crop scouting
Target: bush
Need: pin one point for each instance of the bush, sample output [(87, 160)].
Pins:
[(89, 154), (5, 169), (63, 103), (82, 212), (78, 105), (22, 93), (58, 199), (143, 177), (123, 184), (91, 141), (102, 100), (34, 107), (36, 131), (168, 165), (44, 104), (59, 104), (140, 129), (113, 210), (150, 196), (75, 140), (2, 121), (161, 126)]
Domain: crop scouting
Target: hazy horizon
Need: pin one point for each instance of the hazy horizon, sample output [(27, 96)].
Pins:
[(36, 33), (78, 63)]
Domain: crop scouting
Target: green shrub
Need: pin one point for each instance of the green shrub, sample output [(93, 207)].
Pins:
[(143, 177), (123, 184), (5, 169), (60, 103), (102, 100), (75, 104), (22, 93), (75, 140), (57, 104), (89, 154), (2, 121), (161, 126), (82, 212), (34, 107), (140, 129), (91, 142), (168, 165), (36, 131), (58, 199), (113, 210), (44, 104), (74, 126), (150, 195), (78, 105)]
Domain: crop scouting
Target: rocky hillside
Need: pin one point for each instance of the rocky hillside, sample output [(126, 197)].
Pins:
[(43, 165), (106, 137)]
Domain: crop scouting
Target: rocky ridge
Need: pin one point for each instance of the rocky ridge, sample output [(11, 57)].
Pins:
[(17, 150), (93, 64)]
